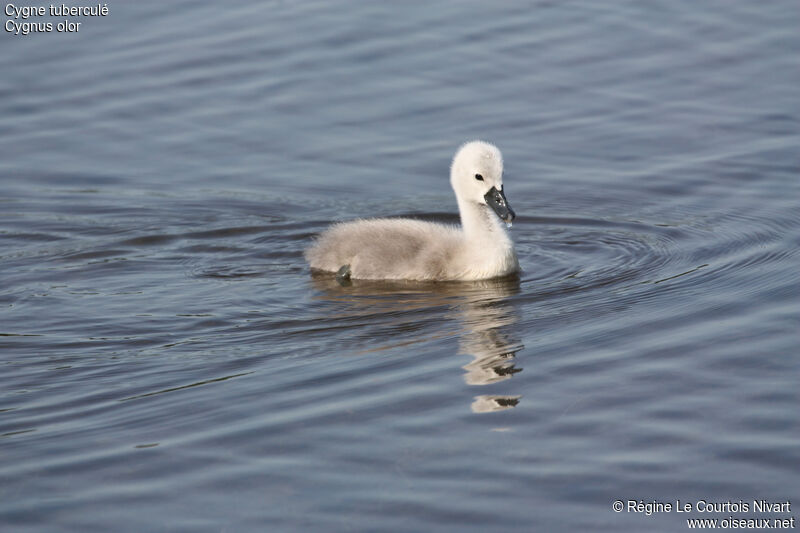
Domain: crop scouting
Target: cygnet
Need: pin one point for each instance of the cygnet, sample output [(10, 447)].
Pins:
[(407, 249)]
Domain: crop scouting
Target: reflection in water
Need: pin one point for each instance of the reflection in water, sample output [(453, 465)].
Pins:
[(487, 337), (482, 309), (488, 402)]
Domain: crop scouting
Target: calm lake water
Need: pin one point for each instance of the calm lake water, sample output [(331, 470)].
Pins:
[(170, 364)]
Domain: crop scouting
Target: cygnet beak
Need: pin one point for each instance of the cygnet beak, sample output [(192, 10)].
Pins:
[(497, 200)]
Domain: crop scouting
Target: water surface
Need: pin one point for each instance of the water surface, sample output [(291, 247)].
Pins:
[(170, 364)]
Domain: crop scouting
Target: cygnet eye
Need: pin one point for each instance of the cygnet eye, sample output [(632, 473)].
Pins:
[(478, 177)]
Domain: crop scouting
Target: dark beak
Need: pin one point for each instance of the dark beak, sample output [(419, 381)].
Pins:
[(497, 201)]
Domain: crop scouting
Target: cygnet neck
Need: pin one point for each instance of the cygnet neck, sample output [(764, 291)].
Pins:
[(481, 226)]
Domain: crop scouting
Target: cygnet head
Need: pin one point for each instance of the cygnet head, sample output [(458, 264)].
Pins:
[(477, 176)]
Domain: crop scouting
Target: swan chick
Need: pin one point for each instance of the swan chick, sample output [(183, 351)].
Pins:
[(408, 249)]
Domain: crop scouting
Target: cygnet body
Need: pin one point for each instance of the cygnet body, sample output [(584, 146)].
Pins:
[(407, 249)]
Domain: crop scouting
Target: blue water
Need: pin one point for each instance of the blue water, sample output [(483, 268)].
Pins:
[(170, 364)]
